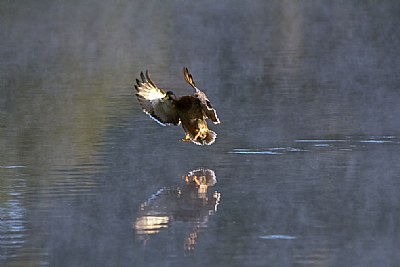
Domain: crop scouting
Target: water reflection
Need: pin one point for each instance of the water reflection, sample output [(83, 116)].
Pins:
[(190, 204), (13, 230)]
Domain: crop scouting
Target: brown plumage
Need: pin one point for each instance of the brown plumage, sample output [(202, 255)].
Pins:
[(190, 110)]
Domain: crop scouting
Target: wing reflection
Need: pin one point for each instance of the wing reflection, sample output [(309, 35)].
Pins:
[(190, 204)]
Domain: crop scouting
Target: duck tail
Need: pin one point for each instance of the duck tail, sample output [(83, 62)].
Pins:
[(210, 138)]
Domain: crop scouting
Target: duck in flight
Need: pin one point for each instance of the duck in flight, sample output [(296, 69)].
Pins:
[(190, 110)]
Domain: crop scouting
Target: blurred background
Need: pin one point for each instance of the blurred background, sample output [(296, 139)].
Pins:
[(304, 171)]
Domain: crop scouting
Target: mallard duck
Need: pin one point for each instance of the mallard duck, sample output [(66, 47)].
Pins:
[(190, 110)]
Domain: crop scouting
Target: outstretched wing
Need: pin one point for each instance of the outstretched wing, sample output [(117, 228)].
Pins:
[(205, 104), (154, 101)]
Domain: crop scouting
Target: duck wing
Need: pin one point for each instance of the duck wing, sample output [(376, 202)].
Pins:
[(154, 101), (205, 104)]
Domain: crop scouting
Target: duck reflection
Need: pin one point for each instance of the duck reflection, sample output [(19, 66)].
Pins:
[(191, 204)]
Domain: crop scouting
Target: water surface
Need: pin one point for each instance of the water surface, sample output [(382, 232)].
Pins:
[(304, 171)]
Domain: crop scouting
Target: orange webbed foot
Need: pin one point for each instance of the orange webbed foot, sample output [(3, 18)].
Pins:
[(186, 139), (197, 135)]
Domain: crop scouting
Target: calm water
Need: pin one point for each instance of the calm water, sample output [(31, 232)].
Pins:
[(305, 170)]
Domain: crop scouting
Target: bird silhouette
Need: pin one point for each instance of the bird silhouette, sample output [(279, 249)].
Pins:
[(190, 110)]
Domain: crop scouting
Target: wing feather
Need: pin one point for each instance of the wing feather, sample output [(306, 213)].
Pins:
[(154, 101), (210, 112), (205, 104)]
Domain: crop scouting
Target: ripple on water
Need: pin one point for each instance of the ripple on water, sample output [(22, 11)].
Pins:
[(348, 143), (277, 237), (354, 140), (12, 167), (376, 141), (13, 232), (269, 151)]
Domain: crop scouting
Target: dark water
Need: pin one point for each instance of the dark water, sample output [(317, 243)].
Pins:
[(305, 170)]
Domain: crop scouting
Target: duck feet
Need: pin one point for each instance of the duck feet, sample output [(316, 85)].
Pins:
[(197, 135), (186, 139)]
